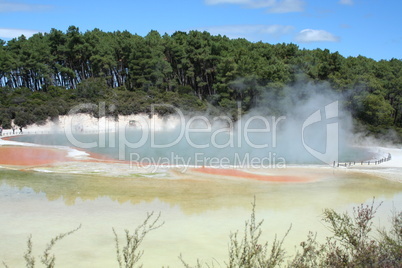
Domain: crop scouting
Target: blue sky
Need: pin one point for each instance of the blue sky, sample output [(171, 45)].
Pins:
[(371, 28)]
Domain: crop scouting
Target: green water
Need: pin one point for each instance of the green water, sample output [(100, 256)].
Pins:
[(199, 214)]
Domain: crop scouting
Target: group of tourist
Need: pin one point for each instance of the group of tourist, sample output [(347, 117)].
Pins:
[(13, 128)]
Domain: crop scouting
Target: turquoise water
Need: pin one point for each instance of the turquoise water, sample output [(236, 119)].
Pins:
[(130, 146)]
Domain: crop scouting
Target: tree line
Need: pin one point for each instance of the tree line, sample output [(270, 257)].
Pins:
[(45, 75)]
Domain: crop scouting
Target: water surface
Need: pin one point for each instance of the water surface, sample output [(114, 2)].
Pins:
[(135, 145), (199, 213)]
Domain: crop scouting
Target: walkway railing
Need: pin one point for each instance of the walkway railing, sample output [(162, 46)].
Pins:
[(365, 162)]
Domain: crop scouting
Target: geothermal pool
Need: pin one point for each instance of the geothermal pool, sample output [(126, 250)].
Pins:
[(200, 209), (196, 148)]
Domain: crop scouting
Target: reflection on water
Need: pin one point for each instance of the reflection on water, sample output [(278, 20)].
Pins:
[(199, 195), (198, 213)]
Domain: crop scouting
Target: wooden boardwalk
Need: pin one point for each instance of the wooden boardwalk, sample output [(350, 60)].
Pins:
[(365, 162)]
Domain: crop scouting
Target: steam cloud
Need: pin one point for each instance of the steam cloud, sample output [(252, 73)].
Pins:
[(285, 127), (272, 131)]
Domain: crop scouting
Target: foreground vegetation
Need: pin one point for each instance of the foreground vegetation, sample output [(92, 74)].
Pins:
[(352, 244), (45, 75)]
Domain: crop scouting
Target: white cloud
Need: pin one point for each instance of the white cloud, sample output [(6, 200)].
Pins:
[(310, 36), (218, 2), (345, 26), (273, 6), (346, 2), (250, 32), (6, 6), (248, 3), (261, 3), (287, 6), (8, 33)]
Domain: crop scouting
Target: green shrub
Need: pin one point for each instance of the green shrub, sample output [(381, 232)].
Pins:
[(129, 255), (47, 259), (353, 243)]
